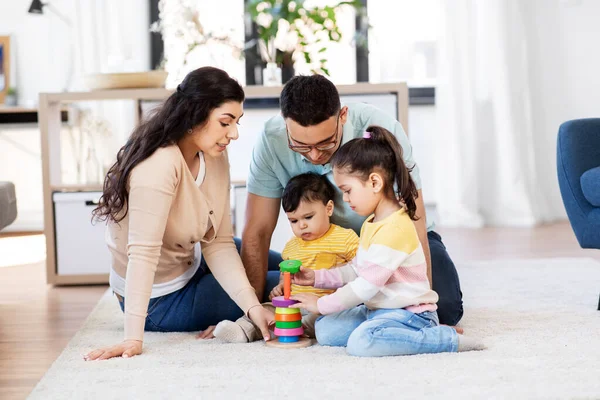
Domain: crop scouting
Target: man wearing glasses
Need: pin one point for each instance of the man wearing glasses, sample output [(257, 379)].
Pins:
[(310, 129)]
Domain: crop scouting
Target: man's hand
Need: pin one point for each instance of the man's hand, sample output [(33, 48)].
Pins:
[(125, 349), (277, 291), (307, 301), (261, 219), (263, 319), (304, 277)]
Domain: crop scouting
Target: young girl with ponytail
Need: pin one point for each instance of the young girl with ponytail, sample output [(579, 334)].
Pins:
[(383, 305)]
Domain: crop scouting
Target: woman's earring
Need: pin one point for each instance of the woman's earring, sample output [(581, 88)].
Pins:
[(190, 131)]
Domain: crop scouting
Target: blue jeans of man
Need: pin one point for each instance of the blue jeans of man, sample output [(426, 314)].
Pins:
[(201, 302), (385, 332)]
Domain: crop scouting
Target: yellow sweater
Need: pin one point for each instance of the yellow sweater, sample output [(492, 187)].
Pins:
[(167, 215), (389, 271), (337, 246)]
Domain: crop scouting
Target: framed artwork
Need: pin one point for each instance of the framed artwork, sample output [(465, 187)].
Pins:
[(4, 66)]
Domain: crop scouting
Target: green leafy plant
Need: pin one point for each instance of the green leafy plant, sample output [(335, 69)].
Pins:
[(307, 30), (11, 91)]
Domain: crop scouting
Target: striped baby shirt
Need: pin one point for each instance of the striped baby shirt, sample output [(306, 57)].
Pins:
[(337, 246), (389, 270)]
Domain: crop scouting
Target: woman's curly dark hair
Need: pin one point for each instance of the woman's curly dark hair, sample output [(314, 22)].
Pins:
[(202, 90)]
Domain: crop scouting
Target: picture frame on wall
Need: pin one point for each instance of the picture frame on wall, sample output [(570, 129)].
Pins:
[(4, 67)]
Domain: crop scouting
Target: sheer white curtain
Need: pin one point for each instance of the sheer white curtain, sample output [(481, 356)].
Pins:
[(110, 36), (486, 153)]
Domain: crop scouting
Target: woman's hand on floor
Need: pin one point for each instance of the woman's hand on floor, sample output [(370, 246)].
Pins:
[(263, 319), (208, 333), (125, 349)]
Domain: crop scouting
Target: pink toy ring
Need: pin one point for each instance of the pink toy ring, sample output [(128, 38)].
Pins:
[(289, 332)]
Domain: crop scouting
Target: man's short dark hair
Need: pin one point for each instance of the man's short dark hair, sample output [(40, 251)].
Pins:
[(307, 187), (309, 100)]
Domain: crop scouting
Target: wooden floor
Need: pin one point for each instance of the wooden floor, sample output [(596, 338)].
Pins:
[(37, 321), (552, 240)]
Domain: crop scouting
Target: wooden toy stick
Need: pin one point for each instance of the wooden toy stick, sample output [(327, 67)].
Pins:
[(287, 285)]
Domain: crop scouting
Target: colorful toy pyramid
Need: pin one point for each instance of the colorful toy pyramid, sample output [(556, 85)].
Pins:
[(288, 320)]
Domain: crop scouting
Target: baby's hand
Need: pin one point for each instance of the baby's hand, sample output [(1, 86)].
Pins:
[(277, 291)]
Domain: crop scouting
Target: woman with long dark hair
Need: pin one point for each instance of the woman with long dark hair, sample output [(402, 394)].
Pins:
[(166, 200)]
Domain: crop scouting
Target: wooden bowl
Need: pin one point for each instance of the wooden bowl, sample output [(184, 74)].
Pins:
[(126, 80)]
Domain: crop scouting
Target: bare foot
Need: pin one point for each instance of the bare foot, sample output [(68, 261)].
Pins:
[(458, 329)]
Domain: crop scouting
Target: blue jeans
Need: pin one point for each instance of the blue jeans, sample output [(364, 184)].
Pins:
[(201, 302), (385, 332), (445, 281)]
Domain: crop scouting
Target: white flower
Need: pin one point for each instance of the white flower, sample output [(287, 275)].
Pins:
[(264, 20)]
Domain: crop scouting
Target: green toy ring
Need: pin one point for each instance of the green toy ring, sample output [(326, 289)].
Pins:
[(292, 266), (288, 325)]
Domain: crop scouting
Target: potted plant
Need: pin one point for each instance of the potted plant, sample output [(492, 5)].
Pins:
[(11, 97), (287, 27)]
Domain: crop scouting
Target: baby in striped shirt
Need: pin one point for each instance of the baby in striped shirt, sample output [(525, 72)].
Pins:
[(383, 305), (308, 200)]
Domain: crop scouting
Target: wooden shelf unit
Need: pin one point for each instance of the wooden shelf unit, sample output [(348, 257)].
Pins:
[(49, 113), (50, 105)]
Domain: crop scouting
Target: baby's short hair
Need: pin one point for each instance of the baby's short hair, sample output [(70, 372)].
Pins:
[(308, 187)]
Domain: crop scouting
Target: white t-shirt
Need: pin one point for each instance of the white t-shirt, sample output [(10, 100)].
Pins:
[(117, 283)]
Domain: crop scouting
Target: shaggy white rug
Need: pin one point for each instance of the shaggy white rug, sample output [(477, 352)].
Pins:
[(538, 318)]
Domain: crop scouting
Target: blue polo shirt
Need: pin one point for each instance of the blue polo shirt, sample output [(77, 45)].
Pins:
[(273, 164)]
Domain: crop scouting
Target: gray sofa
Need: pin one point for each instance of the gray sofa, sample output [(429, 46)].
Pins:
[(8, 204)]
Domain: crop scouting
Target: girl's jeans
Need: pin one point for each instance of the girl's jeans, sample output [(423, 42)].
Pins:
[(385, 332)]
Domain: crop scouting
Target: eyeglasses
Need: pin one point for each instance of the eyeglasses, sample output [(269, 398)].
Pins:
[(324, 146)]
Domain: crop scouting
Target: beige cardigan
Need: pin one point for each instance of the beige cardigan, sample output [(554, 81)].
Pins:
[(167, 215)]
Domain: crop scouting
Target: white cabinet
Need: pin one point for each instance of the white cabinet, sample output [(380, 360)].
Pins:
[(80, 245)]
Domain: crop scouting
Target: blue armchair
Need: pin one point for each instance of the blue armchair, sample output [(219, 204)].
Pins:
[(578, 162)]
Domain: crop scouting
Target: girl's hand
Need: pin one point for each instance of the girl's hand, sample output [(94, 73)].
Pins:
[(307, 301), (262, 318), (277, 291), (125, 349), (304, 277)]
